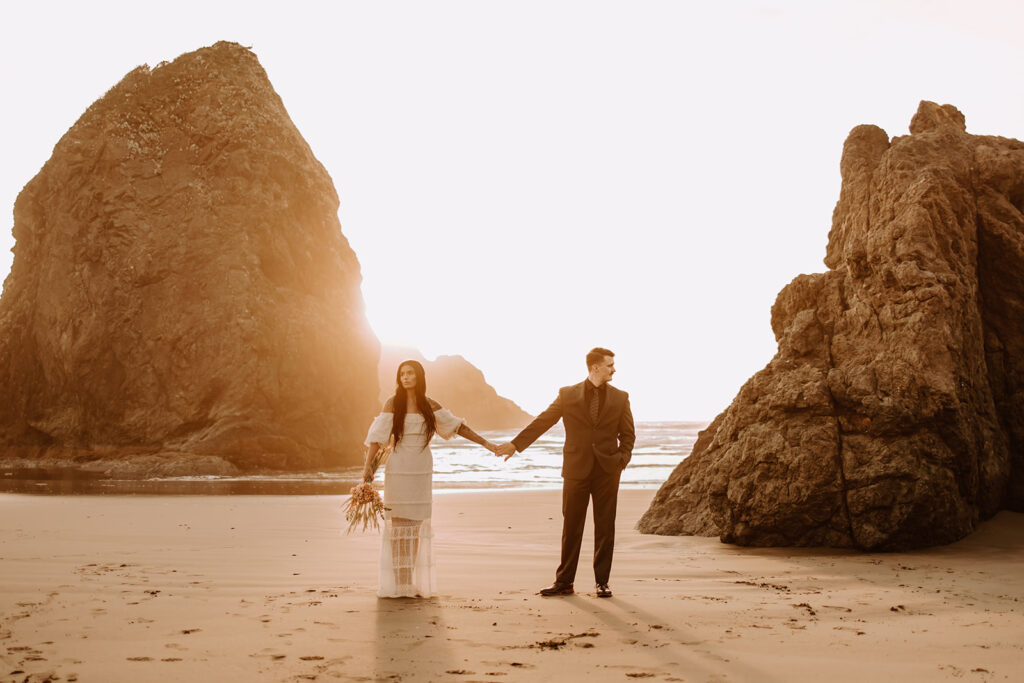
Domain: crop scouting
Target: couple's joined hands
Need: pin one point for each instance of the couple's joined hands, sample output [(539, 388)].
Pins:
[(505, 450)]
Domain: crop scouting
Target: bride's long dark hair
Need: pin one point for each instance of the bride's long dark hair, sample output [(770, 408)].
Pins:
[(399, 402)]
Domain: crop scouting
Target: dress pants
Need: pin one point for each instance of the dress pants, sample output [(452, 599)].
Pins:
[(576, 494)]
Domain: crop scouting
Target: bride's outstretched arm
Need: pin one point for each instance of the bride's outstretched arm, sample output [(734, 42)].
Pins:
[(467, 433)]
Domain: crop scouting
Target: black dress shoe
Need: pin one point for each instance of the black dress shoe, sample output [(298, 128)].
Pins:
[(557, 589), (603, 591)]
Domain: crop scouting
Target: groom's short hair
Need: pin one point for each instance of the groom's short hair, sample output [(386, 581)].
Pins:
[(596, 355)]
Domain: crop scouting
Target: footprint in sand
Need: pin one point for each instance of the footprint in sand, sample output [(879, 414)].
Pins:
[(838, 607), (269, 655), (41, 677), (514, 665)]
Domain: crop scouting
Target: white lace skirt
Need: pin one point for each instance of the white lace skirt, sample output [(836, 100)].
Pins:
[(406, 559), (406, 548)]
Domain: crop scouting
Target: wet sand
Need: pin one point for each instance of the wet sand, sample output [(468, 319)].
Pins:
[(147, 588)]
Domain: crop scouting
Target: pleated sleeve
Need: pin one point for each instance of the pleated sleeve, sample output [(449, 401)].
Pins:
[(380, 428), (446, 423)]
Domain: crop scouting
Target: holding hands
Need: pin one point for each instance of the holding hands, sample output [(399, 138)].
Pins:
[(505, 450)]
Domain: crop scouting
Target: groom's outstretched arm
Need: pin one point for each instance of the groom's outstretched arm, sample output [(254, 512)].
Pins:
[(540, 424)]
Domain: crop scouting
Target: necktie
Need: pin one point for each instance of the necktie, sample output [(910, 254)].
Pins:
[(595, 404)]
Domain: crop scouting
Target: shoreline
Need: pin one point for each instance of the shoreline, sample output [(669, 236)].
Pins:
[(271, 486), (661, 445), (268, 588)]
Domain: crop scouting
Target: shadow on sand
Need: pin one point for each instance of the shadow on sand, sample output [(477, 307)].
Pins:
[(688, 655), (412, 636)]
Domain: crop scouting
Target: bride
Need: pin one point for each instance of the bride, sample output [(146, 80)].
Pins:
[(408, 421)]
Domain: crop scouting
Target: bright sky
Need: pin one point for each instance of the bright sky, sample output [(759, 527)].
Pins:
[(524, 180)]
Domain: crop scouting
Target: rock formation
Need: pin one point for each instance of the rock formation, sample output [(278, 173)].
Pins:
[(459, 386), (182, 295), (892, 416)]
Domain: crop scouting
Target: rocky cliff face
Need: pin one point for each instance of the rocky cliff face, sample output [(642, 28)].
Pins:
[(459, 386), (892, 416), (181, 290)]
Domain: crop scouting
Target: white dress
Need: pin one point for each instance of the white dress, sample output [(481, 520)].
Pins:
[(406, 555)]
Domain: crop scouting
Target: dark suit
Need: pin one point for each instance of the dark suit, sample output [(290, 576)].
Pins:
[(593, 457)]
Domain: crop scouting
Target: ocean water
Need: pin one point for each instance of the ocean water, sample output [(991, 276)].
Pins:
[(458, 465)]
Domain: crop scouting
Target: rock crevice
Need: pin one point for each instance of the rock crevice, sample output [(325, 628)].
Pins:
[(843, 484)]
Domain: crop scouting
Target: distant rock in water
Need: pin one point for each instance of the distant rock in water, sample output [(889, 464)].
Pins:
[(182, 296), (892, 416), (457, 385)]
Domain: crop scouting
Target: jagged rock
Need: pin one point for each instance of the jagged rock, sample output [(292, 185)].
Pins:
[(892, 416), (181, 287), (459, 386)]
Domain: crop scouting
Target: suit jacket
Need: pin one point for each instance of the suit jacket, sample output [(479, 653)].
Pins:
[(608, 442)]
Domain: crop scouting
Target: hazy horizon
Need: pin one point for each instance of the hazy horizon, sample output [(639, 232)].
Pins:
[(491, 157)]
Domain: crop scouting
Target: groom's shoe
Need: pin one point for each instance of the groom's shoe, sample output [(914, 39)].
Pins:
[(557, 589), (603, 591)]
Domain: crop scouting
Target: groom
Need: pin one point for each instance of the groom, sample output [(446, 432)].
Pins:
[(598, 444)]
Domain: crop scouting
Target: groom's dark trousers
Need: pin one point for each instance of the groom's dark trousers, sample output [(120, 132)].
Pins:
[(594, 455)]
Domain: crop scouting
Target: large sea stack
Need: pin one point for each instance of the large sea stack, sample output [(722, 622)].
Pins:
[(182, 298), (892, 416)]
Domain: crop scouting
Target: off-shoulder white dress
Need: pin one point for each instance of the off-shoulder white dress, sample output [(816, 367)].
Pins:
[(406, 555)]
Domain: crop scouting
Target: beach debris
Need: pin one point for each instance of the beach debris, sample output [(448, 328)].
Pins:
[(804, 605), (771, 586), (558, 643)]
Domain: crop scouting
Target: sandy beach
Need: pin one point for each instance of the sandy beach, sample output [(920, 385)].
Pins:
[(178, 588)]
